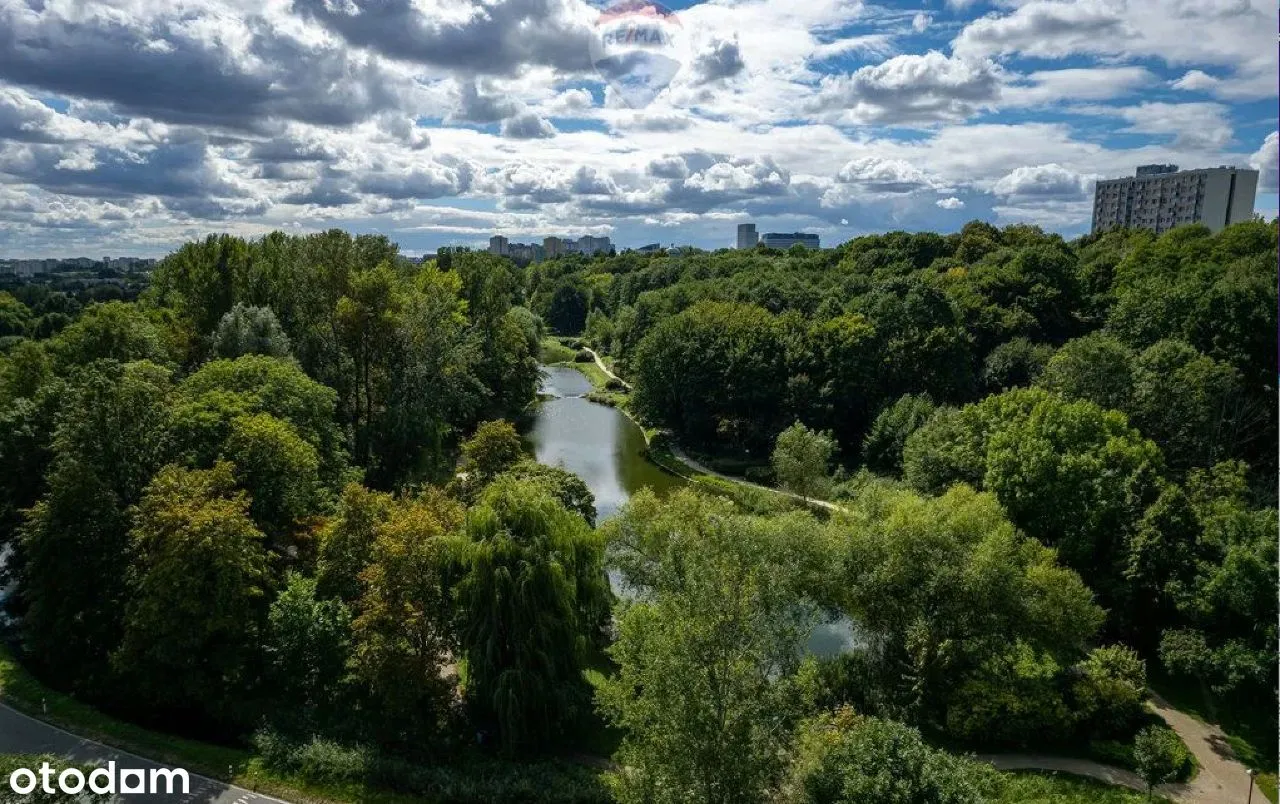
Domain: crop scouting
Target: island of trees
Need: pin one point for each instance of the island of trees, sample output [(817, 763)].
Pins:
[(280, 501)]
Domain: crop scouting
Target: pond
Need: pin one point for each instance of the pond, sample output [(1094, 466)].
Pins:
[(606, 449)]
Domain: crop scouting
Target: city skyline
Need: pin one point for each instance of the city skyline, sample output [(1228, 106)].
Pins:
[(834, 117)]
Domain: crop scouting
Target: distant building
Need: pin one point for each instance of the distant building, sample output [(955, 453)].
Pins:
[(1160, 197), (499, 245), (785, 241), (652, 248), (747, 237), (593, 245), (553, 247)]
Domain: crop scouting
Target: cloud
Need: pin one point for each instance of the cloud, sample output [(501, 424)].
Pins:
[(912, 89), (1196, 81), (1044, 28), (920, 22), (878, 175), (1264, 160), (669, 167), (723, 60), (527, 126), (951, 203), (1191, 125), (476, 105), (206, 66), (1049, 181), (498, 37), (1078, 84)]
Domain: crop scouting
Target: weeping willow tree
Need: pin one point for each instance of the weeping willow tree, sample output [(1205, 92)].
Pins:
[(534, 594)]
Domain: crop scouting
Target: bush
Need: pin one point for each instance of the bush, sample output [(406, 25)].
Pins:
[(468, 780), (615, 385), (882, 449), (1161, 757), (762, 475), (583, 356), (1109, 689)]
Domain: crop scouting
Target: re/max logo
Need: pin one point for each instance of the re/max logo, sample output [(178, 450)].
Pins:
[(648, 35)]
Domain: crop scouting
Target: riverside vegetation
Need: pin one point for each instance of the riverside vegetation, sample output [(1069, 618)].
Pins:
[(276, 504)]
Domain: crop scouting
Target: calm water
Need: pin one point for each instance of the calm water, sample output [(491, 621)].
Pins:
[(606, 449)]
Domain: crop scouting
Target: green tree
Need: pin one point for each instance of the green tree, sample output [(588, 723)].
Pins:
[(567, 308), (847, 758), (347, 541), (801, 459), (1015, 364), (115, 331), (495, 448), (946, 585), (246, 330), (882, 449), (199, 591), (74, 547), (1159, 756), (1095, 367), (708, 651), (567, 488), (402, 633), (307, 645), (1109, 690), (534, 596), (278, 469)]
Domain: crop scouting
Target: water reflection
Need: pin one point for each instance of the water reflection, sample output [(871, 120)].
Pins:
[(606, 449)]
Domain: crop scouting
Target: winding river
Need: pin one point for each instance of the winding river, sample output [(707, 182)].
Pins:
[(606, 449)]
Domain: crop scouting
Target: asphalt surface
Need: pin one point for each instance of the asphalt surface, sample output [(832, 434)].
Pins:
[(20, 734)]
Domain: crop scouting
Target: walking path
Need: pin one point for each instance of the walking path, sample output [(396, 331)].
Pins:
[(1221, 779), (683, 457), (22, 734)]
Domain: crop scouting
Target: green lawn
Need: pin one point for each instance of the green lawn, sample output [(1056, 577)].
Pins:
[(553, 351), (1035, 787)]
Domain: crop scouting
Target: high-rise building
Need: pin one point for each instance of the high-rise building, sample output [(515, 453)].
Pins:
[(747, 237), (1160, 197), (499, 245), (784, 241), (553, 247), (593, 245)]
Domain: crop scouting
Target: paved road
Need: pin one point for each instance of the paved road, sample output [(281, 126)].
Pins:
[(20, 734)]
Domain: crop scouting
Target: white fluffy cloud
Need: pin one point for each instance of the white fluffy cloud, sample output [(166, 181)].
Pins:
[(1265, 162)]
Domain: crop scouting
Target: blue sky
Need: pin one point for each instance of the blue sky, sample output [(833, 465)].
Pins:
[(129, 127)]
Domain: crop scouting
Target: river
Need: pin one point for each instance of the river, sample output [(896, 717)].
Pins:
[(606, 449)]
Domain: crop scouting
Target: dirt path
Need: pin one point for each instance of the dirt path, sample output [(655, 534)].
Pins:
[(1072, 765)]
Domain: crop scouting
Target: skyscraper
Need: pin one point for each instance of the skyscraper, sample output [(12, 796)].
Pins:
[(499, 245), (1160, 197), (747, 237)]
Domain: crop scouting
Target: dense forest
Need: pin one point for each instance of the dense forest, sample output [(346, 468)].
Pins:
[(279, 500)]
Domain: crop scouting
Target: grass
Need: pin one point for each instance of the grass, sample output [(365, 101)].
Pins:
[(1250, 733), (1037, 787), (553, 351)]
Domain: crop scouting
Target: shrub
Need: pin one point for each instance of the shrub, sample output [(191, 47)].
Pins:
[(1161, 757), (583, 356), (1109, 689)]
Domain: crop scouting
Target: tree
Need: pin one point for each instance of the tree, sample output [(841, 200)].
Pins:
[(1109, 690), (279, 470), (347, 541), (567, 488), (847, 758), (307, 646), (567, 308), (199, 592), (801, 459), (1159, 755), (1096, 367), (495, 448), (74, 549), (944, 586), (402, 634), (114, 331), (246, 330), (882, 449), (534, 595), (708, 650), (1015, 364)]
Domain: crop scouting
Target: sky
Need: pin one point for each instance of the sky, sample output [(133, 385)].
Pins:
[(129, 127)]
